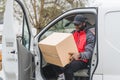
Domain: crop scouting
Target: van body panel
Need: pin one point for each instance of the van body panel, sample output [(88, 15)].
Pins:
[(108, 41), (97, 77), (111, 77), (9, 47)]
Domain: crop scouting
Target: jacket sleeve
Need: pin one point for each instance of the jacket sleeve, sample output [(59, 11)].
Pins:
[(90, 42)]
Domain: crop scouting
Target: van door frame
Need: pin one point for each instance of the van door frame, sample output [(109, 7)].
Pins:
[(78, 10)]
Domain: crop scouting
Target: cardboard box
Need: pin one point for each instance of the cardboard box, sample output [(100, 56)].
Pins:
[(56, 48)]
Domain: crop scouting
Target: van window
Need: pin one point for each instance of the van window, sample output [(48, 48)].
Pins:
[(66, 25), (25, 35)]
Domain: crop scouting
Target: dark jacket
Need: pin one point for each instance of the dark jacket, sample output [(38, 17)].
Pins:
[(90, 42)]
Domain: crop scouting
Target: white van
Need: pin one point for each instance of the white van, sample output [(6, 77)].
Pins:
[(22, 58)]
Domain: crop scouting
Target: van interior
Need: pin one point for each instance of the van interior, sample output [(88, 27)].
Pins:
[(66, 25)]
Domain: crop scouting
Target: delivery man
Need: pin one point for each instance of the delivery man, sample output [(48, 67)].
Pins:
[(85, 40)]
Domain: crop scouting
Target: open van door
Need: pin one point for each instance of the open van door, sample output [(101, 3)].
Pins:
[(18, 60), (64, 24)]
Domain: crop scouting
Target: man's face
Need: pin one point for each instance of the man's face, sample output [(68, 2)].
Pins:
[(78, 26)]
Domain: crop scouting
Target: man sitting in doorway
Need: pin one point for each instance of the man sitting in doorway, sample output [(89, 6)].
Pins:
[(85, 41)]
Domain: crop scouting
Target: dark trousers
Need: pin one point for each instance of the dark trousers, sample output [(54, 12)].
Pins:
[(69, 69)]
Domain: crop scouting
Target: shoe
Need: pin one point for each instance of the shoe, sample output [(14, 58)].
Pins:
[(61, 77)]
